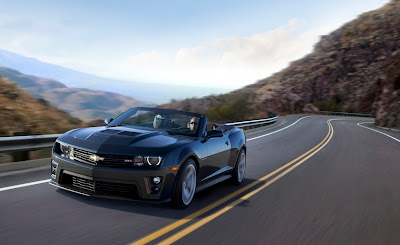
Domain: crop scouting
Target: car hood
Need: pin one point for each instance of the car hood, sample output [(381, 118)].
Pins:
[(123, 140)]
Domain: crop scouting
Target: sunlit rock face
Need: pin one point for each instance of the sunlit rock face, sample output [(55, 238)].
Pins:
[(22, 114), (355, 69)]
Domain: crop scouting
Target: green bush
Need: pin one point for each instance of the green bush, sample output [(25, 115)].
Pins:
[(232, 107), (74, 121), (17, 117), (396, 82), (337, 98), (11, 94), (3, 132), (351, 109), (43, 102), (328, 105)]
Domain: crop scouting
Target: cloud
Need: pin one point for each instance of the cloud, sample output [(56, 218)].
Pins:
[(233, 61)]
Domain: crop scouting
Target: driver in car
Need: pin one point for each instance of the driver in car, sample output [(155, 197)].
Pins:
[(194, 124), (159, 121)]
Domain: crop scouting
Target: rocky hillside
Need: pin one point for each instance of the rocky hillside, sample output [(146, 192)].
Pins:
[(85, 104), (355, 69), (20, 112)]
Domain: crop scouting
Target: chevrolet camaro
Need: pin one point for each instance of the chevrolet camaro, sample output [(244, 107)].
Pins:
[(149, 154)]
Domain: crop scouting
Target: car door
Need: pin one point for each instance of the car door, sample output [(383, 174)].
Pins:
[(218, 153)]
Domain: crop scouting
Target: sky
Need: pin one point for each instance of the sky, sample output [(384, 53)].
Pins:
[(216, 44)]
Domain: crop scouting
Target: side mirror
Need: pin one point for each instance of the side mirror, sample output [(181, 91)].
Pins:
[(214, 134), (108, 120)]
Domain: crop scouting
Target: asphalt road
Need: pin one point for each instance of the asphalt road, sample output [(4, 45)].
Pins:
[(346, 190)]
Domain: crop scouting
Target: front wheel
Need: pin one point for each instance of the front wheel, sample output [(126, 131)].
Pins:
[(240, 168), (185, 186)]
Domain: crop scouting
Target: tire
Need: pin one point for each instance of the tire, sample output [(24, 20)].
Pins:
[(185, 186), (240, 168)]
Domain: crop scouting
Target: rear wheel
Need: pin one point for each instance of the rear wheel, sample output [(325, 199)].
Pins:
[(240, 168), (185, 186)]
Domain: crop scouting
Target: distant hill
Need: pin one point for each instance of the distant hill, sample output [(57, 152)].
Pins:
[(86, 104), (355, 69), (148, 92), (20, 112)]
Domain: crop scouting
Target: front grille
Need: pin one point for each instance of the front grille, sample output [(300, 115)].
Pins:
[(82, 183), (83, 156), (101, 187), (109, 160), (108, 188), (116, 161)]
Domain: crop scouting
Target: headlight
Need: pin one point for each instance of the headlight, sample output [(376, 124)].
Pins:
[(153, 161), (66, 151), (138, 162), (141, 161)]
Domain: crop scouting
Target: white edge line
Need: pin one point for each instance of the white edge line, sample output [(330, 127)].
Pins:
[(24, 185), (47, 180), (277, 130), (358, 124)]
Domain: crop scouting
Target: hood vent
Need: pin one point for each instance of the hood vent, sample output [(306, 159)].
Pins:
[(127, 133), (111, 131)]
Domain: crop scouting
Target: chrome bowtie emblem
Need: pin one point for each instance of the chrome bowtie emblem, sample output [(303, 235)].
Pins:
[(96, 158)]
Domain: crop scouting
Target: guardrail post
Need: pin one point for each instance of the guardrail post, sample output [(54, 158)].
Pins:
[(20, 155)]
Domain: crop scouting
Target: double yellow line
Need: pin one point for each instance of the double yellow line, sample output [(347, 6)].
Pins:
[(289, 167)]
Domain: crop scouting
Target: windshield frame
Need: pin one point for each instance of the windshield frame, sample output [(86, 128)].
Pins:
[(119, 119)]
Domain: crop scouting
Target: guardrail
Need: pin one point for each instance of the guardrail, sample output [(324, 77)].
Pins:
[(346, 114), (253, 122), (27, 143), (21, 145)]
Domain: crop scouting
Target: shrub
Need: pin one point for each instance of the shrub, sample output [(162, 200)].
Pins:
[(330, 104), (17, 117), (3, 132), (233, 107), (351, 109), (11, 94), (74, 121), (396, 82), (43, 102), (337, 98)]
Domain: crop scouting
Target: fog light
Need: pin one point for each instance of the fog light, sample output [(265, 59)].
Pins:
[(155, 189), (54, 166), (156, 180)]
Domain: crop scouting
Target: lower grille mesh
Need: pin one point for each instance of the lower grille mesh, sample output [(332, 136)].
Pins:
[(107, 188), (101, 187), (83, 183)]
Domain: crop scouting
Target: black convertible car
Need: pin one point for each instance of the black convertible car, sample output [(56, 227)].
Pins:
[(149, 154)]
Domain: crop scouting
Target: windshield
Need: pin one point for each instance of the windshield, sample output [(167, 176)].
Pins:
[(173, 122)]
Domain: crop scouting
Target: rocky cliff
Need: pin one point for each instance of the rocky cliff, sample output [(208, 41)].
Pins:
[(355, 69), (21, 113), (86, 104)]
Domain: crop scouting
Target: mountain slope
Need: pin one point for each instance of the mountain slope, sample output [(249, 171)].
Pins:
[(20, 112), (355, 68), (83, 103), (148, 92)]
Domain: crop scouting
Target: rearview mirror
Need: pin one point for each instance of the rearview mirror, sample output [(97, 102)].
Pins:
[(108, 120), (214, 134)]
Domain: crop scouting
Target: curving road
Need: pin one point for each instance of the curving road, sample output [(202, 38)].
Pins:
[(308, 181)]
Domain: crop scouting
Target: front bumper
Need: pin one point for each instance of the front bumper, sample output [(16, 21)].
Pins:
[(118, 183)]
